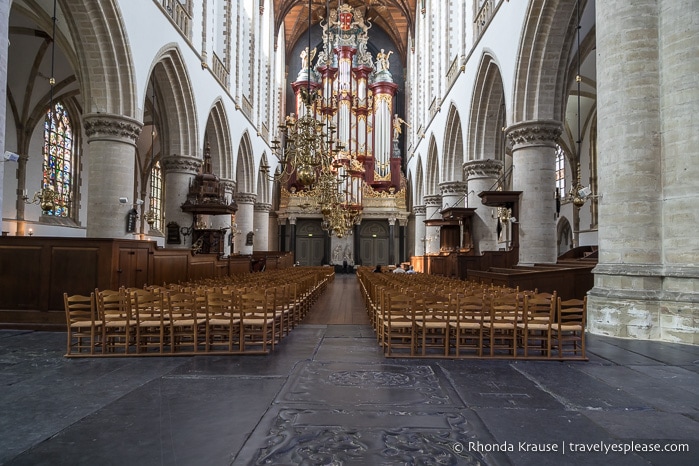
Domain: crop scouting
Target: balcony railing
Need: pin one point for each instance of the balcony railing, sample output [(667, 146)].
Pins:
[(483, 16), (180, 16), (453, 72), (220, 71), (435, 106), (247, 107)]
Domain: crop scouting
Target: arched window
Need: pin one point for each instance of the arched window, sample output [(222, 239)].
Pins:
[(156, 196), (58, 159), (560, 170)]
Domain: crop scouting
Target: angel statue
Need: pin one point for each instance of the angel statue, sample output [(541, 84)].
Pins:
[(307, 58), (397, 121), (382, 63)]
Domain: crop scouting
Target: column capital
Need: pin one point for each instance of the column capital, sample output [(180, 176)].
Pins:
[(245, 198), (181, 164), (262, 207), (419, 210), (484, 168), (433, 200), (534, 133), (228, 185), (110, 127), (453, 187)]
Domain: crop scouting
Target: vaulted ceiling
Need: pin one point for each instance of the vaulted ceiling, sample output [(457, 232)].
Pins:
[(395, 17)]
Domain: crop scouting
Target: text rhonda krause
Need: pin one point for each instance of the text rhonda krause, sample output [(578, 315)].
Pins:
[(564, 447)]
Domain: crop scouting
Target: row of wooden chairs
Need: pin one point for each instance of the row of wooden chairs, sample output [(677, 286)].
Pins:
[(471, 320), (231, 316)]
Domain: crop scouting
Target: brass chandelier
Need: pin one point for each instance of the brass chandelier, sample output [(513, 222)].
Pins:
[(309, 153)]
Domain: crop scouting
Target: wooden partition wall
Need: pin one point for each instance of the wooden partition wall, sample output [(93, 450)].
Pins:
[(36, 271)]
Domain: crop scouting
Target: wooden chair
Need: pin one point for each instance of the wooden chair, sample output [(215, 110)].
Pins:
[(534, 326), (399, 323), (258, 322), (185, 318), (149, 311), (501, 326), (118, 323), (466, 324), (432, 326), (223, 324), (83, 329), (569, 329)]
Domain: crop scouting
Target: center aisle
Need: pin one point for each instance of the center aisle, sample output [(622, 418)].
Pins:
[(340, 304)]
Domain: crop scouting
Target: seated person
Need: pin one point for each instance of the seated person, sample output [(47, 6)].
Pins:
[(398, 269), (377, 269), (411, 269)]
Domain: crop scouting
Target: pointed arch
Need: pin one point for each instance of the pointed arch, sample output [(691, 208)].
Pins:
[(219, 139), (176, 99), (419, 191), (263, 183), (543, 59), (245, 166), (488, 115), (453, 147), (564, 236), (104, 56), (432, 168)]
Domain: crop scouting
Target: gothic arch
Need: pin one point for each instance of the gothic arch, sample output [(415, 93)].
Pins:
[(432, 168), (176, 99), (104, 57), (545, 46), (488, 115), (419, 190), (263, 183), (453, 147), (245, 166), (564, 236), (219, 139)]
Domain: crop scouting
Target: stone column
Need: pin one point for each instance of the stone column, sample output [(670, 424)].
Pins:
[(679, 108), (178, 171), (419, 212), (534, 160), (453, 194), (628, 283), (481, 176), (111, 151), (245, 220), (433, 203), (646, 280), (261, 240)]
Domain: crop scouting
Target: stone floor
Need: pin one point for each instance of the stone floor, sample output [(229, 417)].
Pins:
[(327, 396)]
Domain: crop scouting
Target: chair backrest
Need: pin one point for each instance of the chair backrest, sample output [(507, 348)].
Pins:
[(219, 305), (147, 305), (538, 308), (79, 308), (181, 305), (504, 307), (112, 305), (572, 312)]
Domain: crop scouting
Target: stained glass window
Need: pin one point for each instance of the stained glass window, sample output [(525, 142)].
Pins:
[(58, 159), (560, 170), (156, 195)]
